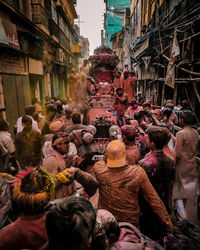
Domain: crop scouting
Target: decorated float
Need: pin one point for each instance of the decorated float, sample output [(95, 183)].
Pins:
[(103, 66)]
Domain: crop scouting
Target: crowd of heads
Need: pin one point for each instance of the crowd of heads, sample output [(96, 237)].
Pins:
[(73, 222), (165, 112), (32, 190), (70, 223)]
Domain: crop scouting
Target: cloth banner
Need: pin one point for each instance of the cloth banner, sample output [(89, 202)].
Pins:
[(175, 51)]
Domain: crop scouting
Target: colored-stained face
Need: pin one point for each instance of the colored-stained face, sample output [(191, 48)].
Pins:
[(134, 105), (63, 147), (120, 92), (148, 142)]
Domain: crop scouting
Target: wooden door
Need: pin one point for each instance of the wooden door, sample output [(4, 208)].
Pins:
[(16, 91)]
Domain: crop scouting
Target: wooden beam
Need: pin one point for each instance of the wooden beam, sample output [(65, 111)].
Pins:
[(181, 68), (163, 93), (188, 71), (187, 79), (179, 79)]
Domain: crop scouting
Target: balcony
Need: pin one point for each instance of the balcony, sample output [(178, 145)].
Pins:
[(40, 15), (53, 28), (13, 3), (64, 40)]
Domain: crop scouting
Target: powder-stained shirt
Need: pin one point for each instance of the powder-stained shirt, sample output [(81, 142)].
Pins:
[(160, 169), (133, 154), (68, 122), (120, 104), (128, 85), (54, 163), (130, 112), (6, 141), (27, 232), (119, 189), (28, 148), (116, 83)]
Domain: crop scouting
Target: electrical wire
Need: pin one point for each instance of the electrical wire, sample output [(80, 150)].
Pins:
[(182, 22), (172, 24)]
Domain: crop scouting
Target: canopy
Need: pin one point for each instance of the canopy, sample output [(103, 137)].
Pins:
[(114, 17), (117, 4)]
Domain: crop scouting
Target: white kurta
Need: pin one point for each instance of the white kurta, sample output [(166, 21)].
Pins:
[(186, 184)]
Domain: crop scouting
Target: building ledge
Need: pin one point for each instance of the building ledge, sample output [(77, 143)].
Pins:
[(27, 22), (44, 29), (55, 39), (63, 47), (142, 48)]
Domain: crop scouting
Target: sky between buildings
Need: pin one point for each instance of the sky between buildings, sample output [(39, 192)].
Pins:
[(91, 18)]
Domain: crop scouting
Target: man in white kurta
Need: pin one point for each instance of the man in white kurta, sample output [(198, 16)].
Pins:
[(186, 184)]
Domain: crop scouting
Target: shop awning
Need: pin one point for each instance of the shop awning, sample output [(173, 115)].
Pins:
[(3, 37), (142, 48), (10, 31)]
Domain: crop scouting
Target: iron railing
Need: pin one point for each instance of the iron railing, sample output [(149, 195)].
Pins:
[(13, 3), (40, 15), (64, 40)]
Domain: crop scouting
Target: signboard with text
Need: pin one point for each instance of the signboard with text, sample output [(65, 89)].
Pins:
[(13, 63), (11, 33), (76, 48)]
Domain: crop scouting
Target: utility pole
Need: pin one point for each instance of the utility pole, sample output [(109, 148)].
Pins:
[(79, 21), (102, 38)]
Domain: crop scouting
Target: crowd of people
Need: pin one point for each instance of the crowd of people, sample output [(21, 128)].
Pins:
[(54, 196)]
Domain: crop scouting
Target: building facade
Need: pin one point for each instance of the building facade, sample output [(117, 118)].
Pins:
[(84, 49), (121, 42), (36, 37), (114, 17), (165, 51)]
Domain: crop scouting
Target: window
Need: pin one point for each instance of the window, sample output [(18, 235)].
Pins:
[(47, 6), (14, 3), (54, 12), (63, 26), (132, 22), (134, 18), (136, 14)]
